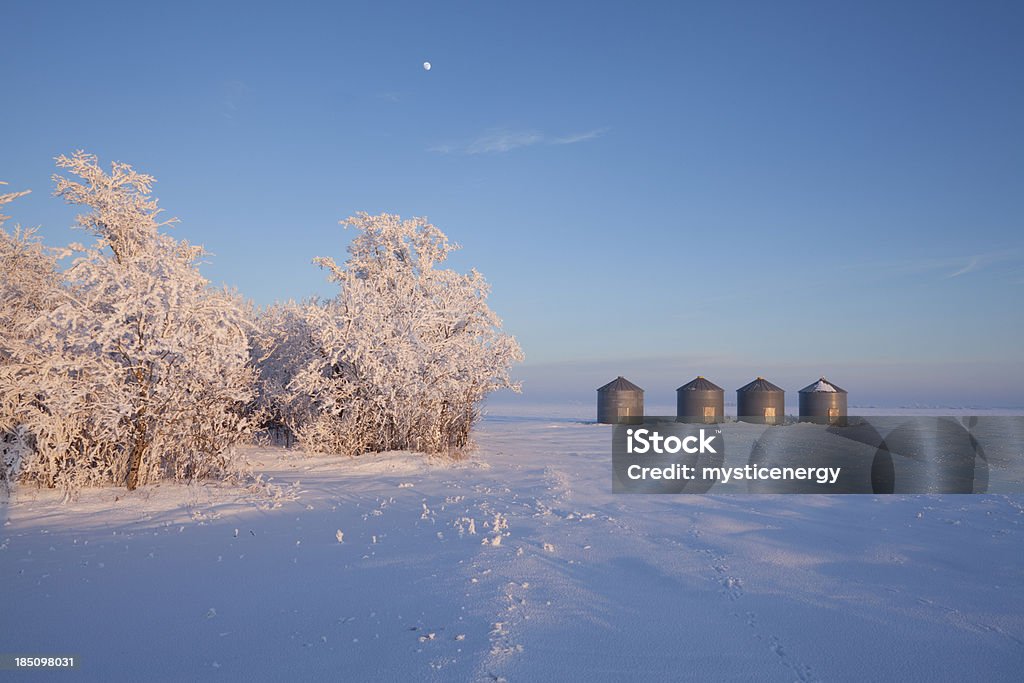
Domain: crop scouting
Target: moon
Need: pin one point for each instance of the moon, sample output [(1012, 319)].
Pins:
[(426, 66)]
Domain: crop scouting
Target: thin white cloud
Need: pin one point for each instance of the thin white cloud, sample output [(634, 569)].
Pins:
[(231, 95), (503, 141), (948, 268), (982, 261), (973, 264), (499, 140), (579, 137)]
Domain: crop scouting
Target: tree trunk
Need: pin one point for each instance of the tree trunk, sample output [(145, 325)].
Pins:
[(135, 457)]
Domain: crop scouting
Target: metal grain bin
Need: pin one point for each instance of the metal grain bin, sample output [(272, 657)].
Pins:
[(823, 402), (700, 401), (761, 402), (620, 402)]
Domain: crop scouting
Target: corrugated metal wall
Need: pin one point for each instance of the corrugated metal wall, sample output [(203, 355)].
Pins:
[(700, 401), (620, 402), (761, 402)]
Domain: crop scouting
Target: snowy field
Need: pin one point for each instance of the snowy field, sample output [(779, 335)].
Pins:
[(515, 564)]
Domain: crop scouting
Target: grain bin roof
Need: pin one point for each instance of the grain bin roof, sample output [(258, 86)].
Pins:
[(700, 384), (760, 384), (822, 385), (620, 383)]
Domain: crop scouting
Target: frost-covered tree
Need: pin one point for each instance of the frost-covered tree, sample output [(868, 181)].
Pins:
[(30, 277), (141, 370), (400, 358), (281, 346), (28, 287)]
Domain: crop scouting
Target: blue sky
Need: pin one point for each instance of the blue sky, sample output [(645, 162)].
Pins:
[(653, 189)]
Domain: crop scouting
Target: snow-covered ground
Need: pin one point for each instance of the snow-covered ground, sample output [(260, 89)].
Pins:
[(518, 563)]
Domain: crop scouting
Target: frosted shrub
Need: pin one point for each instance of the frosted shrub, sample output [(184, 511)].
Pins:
[(400, 358), (280, 347), (140, 370), (28, 288)]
